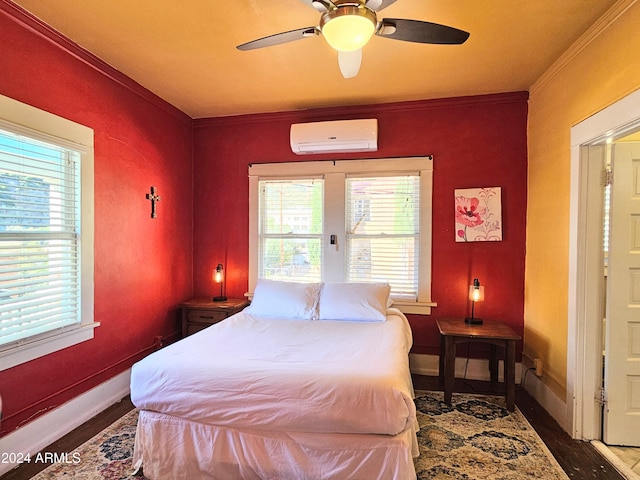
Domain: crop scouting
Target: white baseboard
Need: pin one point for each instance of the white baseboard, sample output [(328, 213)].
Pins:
[(48, 428), (547, 398), (476, 368)]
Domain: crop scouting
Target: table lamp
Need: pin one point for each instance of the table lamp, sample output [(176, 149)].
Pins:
[(476, 294), (218, 277)]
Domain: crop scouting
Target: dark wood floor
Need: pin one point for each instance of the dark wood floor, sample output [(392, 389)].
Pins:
[(74, 439), (579, 459)]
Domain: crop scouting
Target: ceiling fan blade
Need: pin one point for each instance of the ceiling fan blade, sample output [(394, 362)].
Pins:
[(421, 32), (279, 38), (377, 5), (320, 5), (349, 62)]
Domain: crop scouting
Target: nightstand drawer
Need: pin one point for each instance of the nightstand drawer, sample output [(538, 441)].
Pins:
[(199, 313), (196, 327), (206, 316)]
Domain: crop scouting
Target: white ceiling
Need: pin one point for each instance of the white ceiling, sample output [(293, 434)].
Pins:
[(184, 51)]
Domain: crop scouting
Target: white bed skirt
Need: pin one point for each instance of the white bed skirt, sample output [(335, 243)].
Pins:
[(173, 448)]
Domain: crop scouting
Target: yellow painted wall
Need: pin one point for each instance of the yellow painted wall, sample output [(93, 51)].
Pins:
[(587, 80)]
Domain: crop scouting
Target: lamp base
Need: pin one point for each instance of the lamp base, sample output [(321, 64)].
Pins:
[(220, 299), (473, 321)]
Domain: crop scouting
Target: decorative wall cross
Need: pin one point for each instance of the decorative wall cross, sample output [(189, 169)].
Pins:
[(154, 198)]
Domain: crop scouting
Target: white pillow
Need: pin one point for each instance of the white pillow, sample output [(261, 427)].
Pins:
[(272, 298), (362, 302)]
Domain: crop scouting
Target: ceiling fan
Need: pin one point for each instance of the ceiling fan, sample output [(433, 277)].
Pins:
[(347, 26)]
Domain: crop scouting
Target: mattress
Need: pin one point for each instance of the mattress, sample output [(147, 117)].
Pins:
[(284, 375)]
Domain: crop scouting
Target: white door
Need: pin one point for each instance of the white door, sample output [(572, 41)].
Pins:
[(622, 366)]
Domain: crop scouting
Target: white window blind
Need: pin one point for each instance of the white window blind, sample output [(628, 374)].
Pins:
[(383, 232), (39, 235), (291, 229)]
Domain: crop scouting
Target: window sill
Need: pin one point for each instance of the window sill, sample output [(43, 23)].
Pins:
[(26, 352), (415, 308)]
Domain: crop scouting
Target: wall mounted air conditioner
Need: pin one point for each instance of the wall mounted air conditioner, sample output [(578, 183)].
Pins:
[(338, 136)]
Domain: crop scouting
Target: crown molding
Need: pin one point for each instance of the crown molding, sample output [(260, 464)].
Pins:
[(597, 29), (27, 20), (361, 111)]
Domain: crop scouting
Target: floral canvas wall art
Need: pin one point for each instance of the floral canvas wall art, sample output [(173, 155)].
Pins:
[(478, 214)]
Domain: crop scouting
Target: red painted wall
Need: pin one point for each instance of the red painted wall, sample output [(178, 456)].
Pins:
[(142, 265), (145, 267), (476, 142)]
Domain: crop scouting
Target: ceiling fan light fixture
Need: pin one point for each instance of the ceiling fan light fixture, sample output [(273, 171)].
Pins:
[(348, 28)]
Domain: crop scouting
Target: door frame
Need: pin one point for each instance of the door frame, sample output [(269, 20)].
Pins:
[(584, 362)]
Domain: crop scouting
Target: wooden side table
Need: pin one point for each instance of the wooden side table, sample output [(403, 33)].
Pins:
[(497, 334), (199, 313)]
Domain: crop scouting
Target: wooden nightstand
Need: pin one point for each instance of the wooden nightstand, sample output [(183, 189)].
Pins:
[(200, 313), (497, 334)]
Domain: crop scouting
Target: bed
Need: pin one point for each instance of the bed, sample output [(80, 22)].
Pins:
[(309, 382)]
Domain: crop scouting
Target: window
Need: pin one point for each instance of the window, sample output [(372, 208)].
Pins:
[(291, 230), (46, 233), (348, 220), (383, 231)]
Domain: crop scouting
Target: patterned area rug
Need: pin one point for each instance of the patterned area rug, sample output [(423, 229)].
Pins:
[(105, 456), (474, 438)]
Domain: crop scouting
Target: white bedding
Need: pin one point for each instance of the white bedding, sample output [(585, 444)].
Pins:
[(170, 448), (285, 375)]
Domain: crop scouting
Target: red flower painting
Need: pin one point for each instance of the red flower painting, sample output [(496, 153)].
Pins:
[(478, 214)]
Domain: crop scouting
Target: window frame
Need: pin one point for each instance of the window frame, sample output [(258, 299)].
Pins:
[(265, 235), (41, 125), (334, 173), (371, 238)]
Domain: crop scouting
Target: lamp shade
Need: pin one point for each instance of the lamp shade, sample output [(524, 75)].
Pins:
[(218, 277), (218, 274), (476, 294), (476, 291), (348, 28)]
